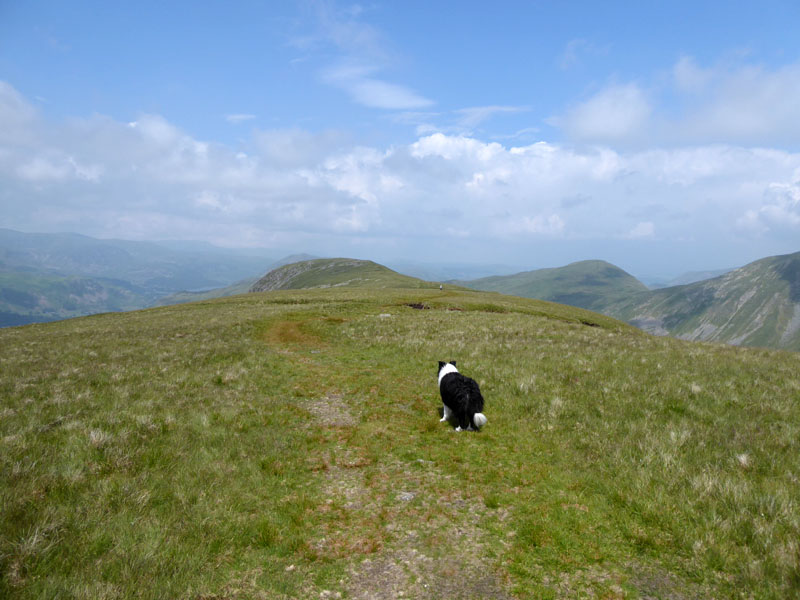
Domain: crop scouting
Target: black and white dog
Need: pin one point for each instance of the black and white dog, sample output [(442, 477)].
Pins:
[(461, 397)]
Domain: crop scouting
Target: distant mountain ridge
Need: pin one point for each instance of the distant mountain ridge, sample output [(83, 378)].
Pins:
[(755, 305), (156, 269), (46, 277)]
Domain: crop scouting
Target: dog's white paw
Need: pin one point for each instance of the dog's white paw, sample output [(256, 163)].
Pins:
[(459, 428), (443, 419)]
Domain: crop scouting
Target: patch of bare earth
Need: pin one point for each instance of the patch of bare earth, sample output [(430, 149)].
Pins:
[(409, 570), (331, 411), (654, 583), (651, 582)]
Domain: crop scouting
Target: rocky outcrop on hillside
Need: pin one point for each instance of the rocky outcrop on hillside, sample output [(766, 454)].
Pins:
[(756, 305)]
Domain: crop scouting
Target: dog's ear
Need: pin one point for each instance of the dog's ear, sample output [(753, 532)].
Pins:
[(452, 362), (441, 364)]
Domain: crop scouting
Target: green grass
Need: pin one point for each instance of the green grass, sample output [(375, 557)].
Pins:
[(287, 445)]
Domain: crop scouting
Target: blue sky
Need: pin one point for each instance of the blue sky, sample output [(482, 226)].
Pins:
[(662, 136)]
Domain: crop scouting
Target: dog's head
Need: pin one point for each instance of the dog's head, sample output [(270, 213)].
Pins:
[(443, 364)]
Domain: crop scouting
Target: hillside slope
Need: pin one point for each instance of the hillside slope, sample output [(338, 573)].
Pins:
[(287, 445), (756, 305), (590, 284), (335, 272)]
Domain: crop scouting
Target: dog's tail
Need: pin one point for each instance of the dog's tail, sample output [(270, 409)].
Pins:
[(479, 420)]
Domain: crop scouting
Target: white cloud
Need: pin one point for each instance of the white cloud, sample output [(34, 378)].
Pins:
[(381, 94), (779, 212), (748, 105), (296, 147), (359, 57), (16, 115), (217, 202), (462, 121), (153, 180), (689, 77), (539, 225), (617, 113), (371, 91), (343, 28), (742, 105), (453, 147), (42, 169), (645, 229)]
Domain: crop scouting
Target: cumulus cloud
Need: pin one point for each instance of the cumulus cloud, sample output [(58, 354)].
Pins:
[(743, 104), (779, 211), (150, 179)]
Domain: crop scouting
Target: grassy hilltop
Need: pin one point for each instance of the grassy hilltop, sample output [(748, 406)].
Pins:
[(591, 284), (324, 273), (287, 445)]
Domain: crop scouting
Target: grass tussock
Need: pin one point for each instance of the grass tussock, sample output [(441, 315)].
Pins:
[(287, 445)]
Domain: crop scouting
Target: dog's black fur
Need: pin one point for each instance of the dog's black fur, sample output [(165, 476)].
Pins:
[(462, 396)]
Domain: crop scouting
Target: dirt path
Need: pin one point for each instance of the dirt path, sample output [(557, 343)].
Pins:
[(405, 566)]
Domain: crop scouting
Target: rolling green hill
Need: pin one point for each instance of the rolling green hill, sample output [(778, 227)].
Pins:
[(756, 305), (287, 445), (590, 284), (335, 272)]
